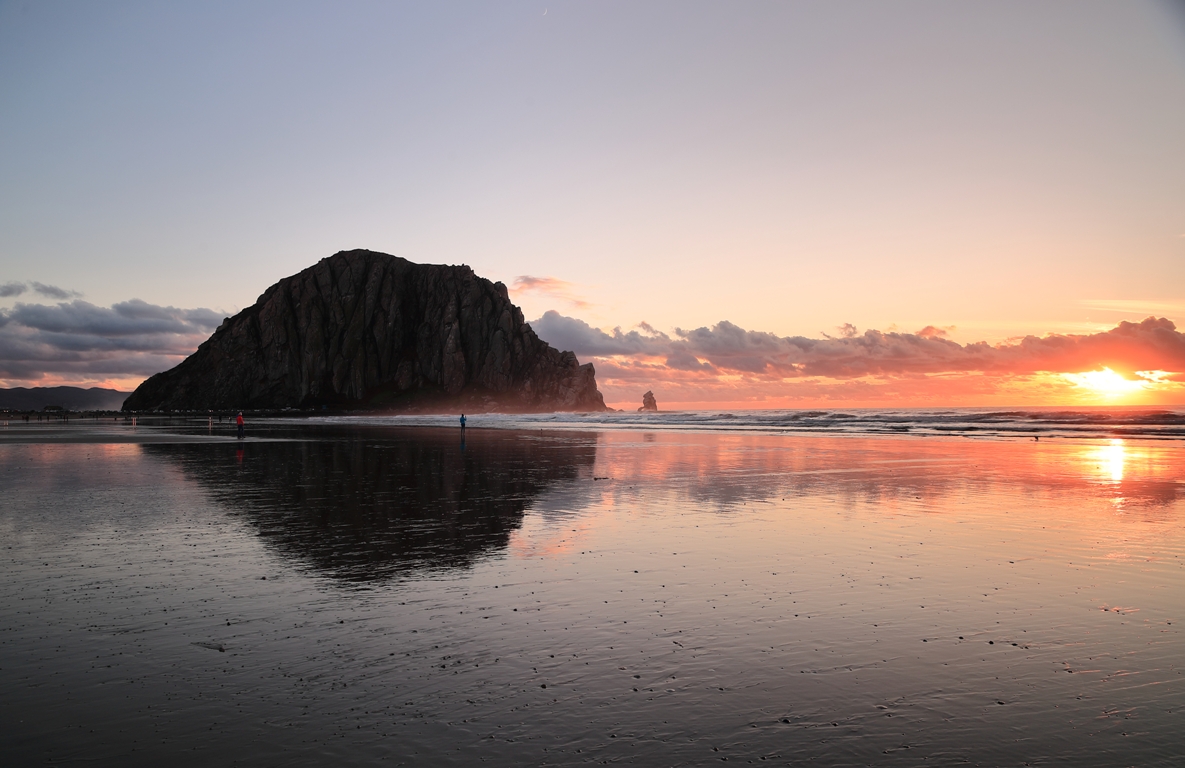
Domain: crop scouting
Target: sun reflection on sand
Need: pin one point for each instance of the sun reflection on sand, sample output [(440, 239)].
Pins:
[(899, 478), (1114, 455)]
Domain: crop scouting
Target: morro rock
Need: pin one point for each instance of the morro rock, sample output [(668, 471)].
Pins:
[(362, 328)]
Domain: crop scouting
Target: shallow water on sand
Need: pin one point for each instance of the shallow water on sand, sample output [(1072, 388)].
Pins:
[(385, 596)]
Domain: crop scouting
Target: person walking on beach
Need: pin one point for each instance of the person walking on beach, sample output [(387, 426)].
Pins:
[(462, 422), (239, 421)]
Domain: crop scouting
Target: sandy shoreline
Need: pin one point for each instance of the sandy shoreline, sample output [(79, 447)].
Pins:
[(321, 595)]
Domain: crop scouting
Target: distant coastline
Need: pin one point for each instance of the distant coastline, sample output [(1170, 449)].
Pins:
[(66, 398)]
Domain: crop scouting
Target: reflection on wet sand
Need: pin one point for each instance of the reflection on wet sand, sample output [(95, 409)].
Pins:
[(730, 470), (1138, 482), (370, 504), (367, 505), (1113, 456), (664, 599)]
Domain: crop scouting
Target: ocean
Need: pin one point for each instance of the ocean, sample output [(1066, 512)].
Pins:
[(1090, 423)]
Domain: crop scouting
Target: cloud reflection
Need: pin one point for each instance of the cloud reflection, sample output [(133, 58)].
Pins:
[(730, 470)]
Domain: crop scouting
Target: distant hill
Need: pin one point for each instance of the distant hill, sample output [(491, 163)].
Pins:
[(70, 398)]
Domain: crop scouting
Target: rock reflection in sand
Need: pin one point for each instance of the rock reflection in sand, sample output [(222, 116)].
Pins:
[(367, 505)]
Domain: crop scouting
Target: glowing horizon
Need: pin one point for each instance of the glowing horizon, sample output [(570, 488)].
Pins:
[(706, 368), (727, 366)]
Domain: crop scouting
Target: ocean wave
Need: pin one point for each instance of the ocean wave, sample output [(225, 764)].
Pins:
[(1133, 423)]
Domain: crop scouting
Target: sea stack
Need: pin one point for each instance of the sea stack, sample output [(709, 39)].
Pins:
[(366, 329), (648, 403)]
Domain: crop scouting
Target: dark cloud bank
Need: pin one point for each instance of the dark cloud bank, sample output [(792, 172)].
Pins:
[(76, 340), (1153, 344)]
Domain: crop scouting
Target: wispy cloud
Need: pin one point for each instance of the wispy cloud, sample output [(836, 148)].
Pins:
[(1138, 307), (54, 292), (548, 286), (48, 291)]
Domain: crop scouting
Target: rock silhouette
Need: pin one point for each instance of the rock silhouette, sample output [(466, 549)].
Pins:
[(648, 402), (366, 328)]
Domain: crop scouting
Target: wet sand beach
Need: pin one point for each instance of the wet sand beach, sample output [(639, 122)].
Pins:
[(369, 595)]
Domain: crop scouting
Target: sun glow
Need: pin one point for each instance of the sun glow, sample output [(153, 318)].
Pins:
[(1110, 384)]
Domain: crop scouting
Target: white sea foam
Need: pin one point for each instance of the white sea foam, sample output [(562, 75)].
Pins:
[(1131, 422)]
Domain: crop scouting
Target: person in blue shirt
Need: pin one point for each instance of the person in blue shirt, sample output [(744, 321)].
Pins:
[(462, 422)]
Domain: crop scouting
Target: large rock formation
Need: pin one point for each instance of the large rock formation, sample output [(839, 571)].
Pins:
[(648, 402), (365, 328)]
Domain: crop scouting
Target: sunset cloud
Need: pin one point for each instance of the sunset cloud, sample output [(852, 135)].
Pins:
[(79, 342), (548, 286), (1153, 344), (727, 359), (574, 334), (930, 332)]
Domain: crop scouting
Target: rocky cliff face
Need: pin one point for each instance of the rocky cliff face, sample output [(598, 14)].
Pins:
[(366, 328)]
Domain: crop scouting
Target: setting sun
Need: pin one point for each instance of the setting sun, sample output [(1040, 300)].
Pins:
[(1108, 383)]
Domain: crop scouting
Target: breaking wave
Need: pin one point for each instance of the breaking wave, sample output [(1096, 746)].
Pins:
[(1135, 423)]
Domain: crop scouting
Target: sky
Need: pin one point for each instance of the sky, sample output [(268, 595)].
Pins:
[(886, 181)]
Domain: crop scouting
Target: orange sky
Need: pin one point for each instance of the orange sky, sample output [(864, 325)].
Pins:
[(725, 366)]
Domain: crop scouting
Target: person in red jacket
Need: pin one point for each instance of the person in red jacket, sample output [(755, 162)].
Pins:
[(239, 421)]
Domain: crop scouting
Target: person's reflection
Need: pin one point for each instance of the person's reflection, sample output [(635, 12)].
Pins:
[(371, 505)]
